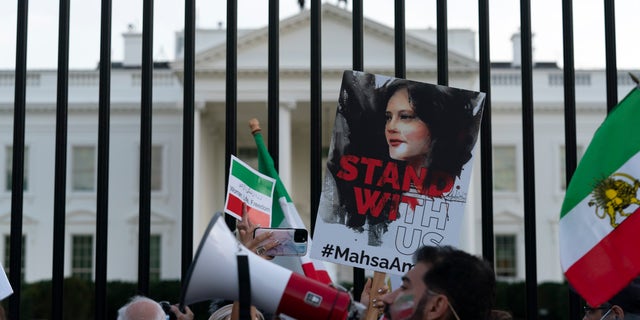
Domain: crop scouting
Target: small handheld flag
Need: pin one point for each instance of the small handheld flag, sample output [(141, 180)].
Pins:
[(251, 187)]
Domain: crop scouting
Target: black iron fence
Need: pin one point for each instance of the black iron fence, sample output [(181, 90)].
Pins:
[(315, 144)]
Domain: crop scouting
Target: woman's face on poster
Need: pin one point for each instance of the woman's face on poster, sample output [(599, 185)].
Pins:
[(408, 136)]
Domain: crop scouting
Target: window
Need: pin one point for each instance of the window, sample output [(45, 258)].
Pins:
[(556, 79), (83, 168), (581, 79), (563, 165), (156, 167), (7, 254), (504, 168), (505, 79), (506, 255), (9, 169), (155, 250), (82, 256)]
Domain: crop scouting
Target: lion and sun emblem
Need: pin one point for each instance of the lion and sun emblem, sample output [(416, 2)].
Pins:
[(613, 195)]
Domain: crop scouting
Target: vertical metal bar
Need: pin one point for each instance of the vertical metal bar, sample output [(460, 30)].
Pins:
[(570, 118), (610, 53), (104, 125), (188, 134), (316, 108), (59, 202), (358, 36), (531, 282), (231, 94), (400, 36), (17, 182), (486, 144), (274, 81), (358, 64), (443, 43), (145, 147)]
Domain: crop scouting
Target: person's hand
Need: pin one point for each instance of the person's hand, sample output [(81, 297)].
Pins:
[(187, 315), (374, 301), (245, 227), (245, 233)]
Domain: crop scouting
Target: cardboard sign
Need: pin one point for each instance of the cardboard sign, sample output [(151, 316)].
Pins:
[(398, 171), (5, 286)]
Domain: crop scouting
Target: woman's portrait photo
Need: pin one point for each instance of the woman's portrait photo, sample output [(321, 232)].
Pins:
[(395, 141)]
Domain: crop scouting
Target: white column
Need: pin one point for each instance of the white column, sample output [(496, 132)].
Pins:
[(284, 141), (198, 218)]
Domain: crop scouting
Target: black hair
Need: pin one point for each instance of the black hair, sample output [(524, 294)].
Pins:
[(356, 132), (468, 282), (628, 298), (452, 115), (430, 254)]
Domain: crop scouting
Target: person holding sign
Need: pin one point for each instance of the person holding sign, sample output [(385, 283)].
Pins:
[(445, 284), (401, 302), (460, 286), (245, 229)]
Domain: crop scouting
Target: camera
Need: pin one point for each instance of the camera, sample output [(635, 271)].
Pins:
[(300, 235)]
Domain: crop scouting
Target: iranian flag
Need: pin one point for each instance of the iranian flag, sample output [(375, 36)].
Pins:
[(599, 223), (284, 212), (249, 186)]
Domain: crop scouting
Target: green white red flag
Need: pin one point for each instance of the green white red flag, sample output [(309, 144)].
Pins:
[(284, 212), (249, 186), (599, 223)]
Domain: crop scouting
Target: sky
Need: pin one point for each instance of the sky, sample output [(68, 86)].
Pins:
[(546, 26)]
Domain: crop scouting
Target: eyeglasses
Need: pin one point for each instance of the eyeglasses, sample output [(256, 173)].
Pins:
[(589, 311), (455, 314)]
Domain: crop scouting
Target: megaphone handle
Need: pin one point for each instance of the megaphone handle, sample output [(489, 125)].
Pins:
[(244, 287)]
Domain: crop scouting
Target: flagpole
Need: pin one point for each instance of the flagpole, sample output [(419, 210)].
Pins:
[(376, 283), (310, 267), (634, 78)]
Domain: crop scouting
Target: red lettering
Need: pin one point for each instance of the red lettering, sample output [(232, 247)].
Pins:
[(411, 202), (348, 170), (395, 204), (390, 176), (370, 201), (440, 183), (410, 176), (371, 167)]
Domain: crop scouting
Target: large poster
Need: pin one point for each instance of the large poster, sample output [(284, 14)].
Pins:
[(398, 171)]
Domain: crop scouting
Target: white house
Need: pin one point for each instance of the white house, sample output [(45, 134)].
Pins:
[(294, 137)]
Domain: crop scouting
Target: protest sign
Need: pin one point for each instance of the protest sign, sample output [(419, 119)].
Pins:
[(246, 185), (398, 171), (5, 286)]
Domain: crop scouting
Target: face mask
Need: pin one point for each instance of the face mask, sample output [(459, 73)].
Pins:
[(402, 308)]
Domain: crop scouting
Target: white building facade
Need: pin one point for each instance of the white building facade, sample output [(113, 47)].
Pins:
[(294, 138)]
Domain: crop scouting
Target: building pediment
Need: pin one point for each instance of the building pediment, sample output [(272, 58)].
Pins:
[(80, 216), (507, 217), (156, 218), (294, 40), (5, 219)]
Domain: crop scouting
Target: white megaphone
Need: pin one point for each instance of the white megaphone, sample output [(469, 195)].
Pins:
[(213, 274)]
